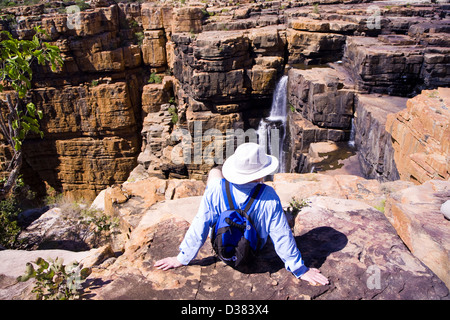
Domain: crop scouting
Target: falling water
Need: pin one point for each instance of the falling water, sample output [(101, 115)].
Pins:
[(272, 130), (278, 112), (351, 141)]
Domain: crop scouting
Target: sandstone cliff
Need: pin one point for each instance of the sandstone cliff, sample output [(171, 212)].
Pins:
[(421, 137), (135, 73), (216, 64)]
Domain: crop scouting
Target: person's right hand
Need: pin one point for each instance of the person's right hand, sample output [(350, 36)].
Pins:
[(167, 263), (314, 277)]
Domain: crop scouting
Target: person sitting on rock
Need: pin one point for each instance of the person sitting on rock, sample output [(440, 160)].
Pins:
[(244, 170)]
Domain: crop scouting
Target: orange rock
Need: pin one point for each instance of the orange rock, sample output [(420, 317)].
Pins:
[(420, 136), (414, 213)]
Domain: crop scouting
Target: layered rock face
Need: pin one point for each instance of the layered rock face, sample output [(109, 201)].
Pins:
[(420, 137), (90, 140), (376, 154), (396, 64), (91, 107), (147, 88), (414, 213), (140, 79)]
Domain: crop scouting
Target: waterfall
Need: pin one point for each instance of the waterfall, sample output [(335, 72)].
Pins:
[(272, 130), (278, 111), (351, 141)]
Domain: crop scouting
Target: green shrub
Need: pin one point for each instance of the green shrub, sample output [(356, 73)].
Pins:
[(295, 206), (101, 227), (9, 229), (173, 112), (154, 78), (54, 280), (10, 208), (139, 37), (82, 5)]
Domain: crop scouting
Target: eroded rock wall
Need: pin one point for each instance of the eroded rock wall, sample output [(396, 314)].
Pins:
[(421, 137), (216, 64)]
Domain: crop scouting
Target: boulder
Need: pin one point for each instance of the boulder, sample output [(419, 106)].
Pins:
[(187, 19), (268, 41), (420, 137), (415, 214), (13, 264), (381, 67), (314, 47), (221, 51), (156, 94), (129, 201), (154, 49), (152, 16), (322, 96), (99, 20)]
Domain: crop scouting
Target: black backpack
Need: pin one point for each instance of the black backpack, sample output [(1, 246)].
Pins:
[(234, 237)]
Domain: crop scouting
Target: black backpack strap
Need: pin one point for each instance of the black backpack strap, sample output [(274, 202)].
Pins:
[(253, 197), (249, 203), (230, 199)]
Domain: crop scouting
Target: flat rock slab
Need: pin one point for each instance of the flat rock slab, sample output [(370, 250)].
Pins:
[(352, 243), (13, 264), (415, 214)]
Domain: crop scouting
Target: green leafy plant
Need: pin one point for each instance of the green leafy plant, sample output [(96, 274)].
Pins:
[(54, 280), (132, 23), (295, 205), (9, 229), (102, 225), (16, 59), (380, 207), (316, 8), (433, 94), (173, 112), (89, 224), (291, 107), (82, 5), (139, 37), (154, 78), (10, 209)]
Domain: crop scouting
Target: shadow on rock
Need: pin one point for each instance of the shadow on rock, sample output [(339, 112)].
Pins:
[(316, 245)]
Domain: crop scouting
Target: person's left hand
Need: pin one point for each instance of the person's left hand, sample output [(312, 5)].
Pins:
[(168, 263)]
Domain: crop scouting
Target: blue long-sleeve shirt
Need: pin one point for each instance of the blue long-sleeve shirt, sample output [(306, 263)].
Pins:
[(268, 217)]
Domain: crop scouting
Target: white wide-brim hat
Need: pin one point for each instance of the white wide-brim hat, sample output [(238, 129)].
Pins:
[(249, 162)]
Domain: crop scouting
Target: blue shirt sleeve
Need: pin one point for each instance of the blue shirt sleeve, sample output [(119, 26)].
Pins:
[(284, 242), (198, 231)]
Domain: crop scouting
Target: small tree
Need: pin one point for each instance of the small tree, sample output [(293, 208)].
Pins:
[(16, 117)]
